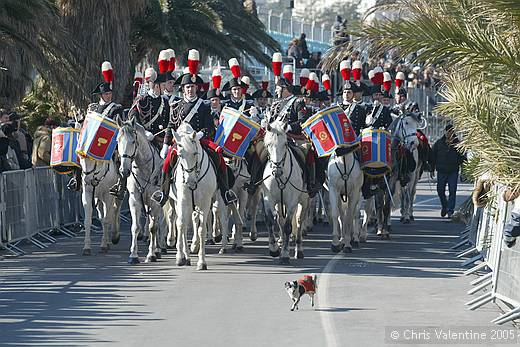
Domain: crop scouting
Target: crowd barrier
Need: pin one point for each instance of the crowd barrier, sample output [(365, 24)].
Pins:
[(33, 203), (497, 264)]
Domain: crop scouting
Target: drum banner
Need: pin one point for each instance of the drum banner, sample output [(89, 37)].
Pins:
[(98, 137), (376, 149), (63, 150), (235, 132)]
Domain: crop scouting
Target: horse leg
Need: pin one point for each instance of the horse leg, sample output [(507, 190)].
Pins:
[(274, 250), (116, 229), (201, 229), (237, 235), (151, 256), (169, 211), (286, 238), (86, 198), (350, 223), (182, 255), (135, 212), (223, 217), (195, 240), (303, 212), (253, 205), (106, 218), (335, 213), (216, 235)]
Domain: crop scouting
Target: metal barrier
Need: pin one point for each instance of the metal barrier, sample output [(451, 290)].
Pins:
[(34, 202), (488, 252)]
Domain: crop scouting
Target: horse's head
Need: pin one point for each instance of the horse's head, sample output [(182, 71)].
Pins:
[(275, 142), (127, 143), (188, 151), (405, 129)]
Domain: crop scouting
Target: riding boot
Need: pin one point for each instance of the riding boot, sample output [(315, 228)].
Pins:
[(118, 190), (228, 195), (257, 170), (75, 181), (161, 196), (312, 186)]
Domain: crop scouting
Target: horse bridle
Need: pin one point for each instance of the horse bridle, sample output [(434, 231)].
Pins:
[(400, 126)]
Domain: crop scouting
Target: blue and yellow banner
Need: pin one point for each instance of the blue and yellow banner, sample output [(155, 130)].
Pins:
[(235, 132), (98, 137), (63, 149)]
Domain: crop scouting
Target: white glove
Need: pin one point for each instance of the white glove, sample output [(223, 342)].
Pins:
[(289, 128), (149, 135), (200, 135), (253, 111), (263, 123), (164, 150)]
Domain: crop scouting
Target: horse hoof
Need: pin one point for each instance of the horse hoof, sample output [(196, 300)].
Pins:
[(304, 233), (238, 248), (158, 255), (194, 251), (181, 262), (222, 251), (354, 244), (140, 237), (285, 261), (299, 255), (188, 262), (115, 239), (412, 218), (86, 251), (133, 261), (244, 230), (202, 267), (386, 236), (406, 221), (151, 259), (253, 237), (218, 238), (164, 251), (234, 246), (314, 221), (103, 250), (210, 242), (275, 253), (401, 219), (326, 223), (171, 247), (347, 250), (336, 248)]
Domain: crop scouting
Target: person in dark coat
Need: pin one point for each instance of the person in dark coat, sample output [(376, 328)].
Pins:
[(446, 160)]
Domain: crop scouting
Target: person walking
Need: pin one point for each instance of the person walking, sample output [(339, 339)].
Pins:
[(41, 154), (446, 160)]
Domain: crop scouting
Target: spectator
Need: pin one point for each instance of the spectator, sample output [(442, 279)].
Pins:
[(446, 160), (340, 35), (4, 148), (313, 61), (4, 116), (41, 155), (23, 144), (11, 157), (303, 46), (294, 51)]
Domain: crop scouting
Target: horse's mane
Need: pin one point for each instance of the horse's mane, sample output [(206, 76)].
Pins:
[(185, 129)]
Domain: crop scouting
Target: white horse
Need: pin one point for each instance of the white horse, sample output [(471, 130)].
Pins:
[(345, 181), (141, 164), (194, 187), (411, 143), (285, 200), (97, 178)]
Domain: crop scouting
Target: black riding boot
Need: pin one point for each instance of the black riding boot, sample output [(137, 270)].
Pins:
[(228, 195), (312, 186), (118, 190), (257, 171), (161, 196)]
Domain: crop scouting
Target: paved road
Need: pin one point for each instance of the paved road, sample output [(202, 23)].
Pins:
[(58, 298)]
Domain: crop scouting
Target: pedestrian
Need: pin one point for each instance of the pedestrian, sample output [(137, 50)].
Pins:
[(41, 154), (24, 141), (294, 51), (4, 148), (446, 160), (11, 157), (303, 46)]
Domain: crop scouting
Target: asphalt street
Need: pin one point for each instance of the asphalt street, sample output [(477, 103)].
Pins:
[(56, 297)]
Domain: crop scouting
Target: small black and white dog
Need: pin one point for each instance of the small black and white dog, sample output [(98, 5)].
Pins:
[(308, 284)]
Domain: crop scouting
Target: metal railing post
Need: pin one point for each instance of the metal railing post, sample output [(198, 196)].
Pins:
[(313, 25), (269, 15)]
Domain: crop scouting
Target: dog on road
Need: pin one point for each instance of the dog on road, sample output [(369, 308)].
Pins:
[(308, 284)]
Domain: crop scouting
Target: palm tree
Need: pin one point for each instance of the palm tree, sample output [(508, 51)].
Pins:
[(33, 39), (475, 43)]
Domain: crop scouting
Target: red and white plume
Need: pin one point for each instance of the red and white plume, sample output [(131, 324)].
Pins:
[(316, 84), (371, 75), (277, 64), (138, 82), (344, 68), (387, 81), (304, 77), (107, 71), (171, 59), (288, 73), (356, 70), (378, 75), (399, 79), (235, 67), (193, 61), (311, 81), (265, 82), (150, 75), (216, 78), (325, 80), (245, 80), (138, 77), (163, 62)]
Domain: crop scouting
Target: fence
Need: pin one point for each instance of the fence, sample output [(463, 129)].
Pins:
[(490, 257), (34, 202)]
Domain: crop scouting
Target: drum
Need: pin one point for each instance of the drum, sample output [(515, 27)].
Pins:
[(340, 127), (63, 150), (376, 153), (235, 132), (98, 137)]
